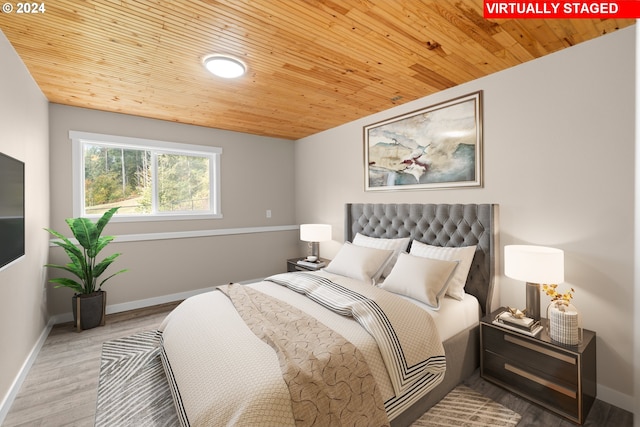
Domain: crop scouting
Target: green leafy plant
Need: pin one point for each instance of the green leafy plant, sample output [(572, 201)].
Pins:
[(84, 264)]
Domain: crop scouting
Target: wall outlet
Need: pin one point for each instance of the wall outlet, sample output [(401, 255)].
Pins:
[(268, 213)]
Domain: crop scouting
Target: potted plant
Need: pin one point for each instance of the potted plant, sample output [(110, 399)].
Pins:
[(89, 300)]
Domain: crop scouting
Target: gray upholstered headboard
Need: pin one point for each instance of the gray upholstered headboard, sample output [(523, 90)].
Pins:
[(438, 225)]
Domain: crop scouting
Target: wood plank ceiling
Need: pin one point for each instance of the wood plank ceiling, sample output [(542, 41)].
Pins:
[(313, 64)]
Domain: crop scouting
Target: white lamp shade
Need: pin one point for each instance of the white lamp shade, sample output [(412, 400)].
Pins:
[(315, 232), (534, 264)]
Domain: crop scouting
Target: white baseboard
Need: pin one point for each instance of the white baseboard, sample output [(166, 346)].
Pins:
[(615, 398), (143, 303), (8, 399)]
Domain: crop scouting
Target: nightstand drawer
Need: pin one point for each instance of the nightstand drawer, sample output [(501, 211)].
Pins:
[(532, 384), (559, 378), (549, 362), (293, 267)]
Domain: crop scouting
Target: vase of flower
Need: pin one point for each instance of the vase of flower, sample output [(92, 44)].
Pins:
[(564, 320), (564, 323)]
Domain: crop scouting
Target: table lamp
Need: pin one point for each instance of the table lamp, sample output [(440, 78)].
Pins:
[(535, 265), (315, 233)]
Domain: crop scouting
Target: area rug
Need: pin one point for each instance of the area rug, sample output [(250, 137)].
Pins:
[(466, 407), (133, 391), (133, 388)]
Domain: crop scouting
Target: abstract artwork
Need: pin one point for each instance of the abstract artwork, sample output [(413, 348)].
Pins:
[(433, 148)]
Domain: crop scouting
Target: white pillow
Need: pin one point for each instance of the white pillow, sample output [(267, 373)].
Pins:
[(359, 262), (463, 254), (397, 245), (423, 279)]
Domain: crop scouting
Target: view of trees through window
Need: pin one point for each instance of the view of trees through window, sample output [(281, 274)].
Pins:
[(183, 183), (118, 176)]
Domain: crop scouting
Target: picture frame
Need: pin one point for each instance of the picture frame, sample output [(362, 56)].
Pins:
[(437, 147)]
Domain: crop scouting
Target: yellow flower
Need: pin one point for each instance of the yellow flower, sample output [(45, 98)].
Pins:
[(563, 298)]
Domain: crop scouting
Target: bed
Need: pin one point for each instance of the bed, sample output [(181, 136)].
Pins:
[(219, 355)]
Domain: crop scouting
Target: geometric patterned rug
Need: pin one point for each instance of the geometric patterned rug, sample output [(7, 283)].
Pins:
[(133, 391), (133, 388), (466, 407)]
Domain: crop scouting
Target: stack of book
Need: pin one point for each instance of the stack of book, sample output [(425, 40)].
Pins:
[(524, 325), (311, 264)]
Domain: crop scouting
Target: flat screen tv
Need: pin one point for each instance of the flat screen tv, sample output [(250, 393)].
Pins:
[(11, 209)]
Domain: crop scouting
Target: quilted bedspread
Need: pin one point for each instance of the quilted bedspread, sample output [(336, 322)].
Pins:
[(328, 378), (222, 373)]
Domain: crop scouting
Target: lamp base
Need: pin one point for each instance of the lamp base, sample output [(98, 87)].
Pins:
[(315, 249), (533, 301)]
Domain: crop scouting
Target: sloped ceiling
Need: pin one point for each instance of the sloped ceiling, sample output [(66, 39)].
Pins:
[(313, 65)]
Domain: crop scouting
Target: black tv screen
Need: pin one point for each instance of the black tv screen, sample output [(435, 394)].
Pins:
[(11, 209)]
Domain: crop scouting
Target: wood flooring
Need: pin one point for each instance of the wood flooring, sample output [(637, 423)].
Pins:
[(62, 385), (602, 414)]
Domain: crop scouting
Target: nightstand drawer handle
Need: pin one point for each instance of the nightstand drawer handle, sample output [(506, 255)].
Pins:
[(541, 381), (530, 346)]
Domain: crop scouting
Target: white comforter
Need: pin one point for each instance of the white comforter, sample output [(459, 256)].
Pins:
[(224, 375)]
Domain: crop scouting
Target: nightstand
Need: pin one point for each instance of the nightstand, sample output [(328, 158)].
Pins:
[(292, 265), (560, 378)]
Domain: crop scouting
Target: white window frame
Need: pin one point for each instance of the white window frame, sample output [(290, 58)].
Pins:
[(79, 139)]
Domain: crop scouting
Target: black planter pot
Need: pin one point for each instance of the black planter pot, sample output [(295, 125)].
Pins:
[(89, 310)]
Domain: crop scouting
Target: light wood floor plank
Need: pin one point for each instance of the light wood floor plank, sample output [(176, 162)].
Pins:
[(62, 386)]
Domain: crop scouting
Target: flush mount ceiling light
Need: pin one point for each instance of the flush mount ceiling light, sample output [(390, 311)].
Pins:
[(224, 66)]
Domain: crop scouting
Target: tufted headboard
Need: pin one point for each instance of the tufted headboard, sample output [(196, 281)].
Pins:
[(437, 225)]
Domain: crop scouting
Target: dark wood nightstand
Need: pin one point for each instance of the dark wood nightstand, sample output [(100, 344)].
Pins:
[(560, 378), (292, 265)]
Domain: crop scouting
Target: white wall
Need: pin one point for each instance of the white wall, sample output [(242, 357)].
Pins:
[(257, 174), (23, 135), (559, 138)]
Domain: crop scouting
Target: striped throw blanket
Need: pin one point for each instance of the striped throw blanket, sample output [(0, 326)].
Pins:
[(406, 334)]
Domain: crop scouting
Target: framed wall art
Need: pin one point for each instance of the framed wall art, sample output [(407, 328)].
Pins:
[(433, 148)]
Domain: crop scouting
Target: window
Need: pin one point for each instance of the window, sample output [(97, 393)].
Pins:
[(147, 179)]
